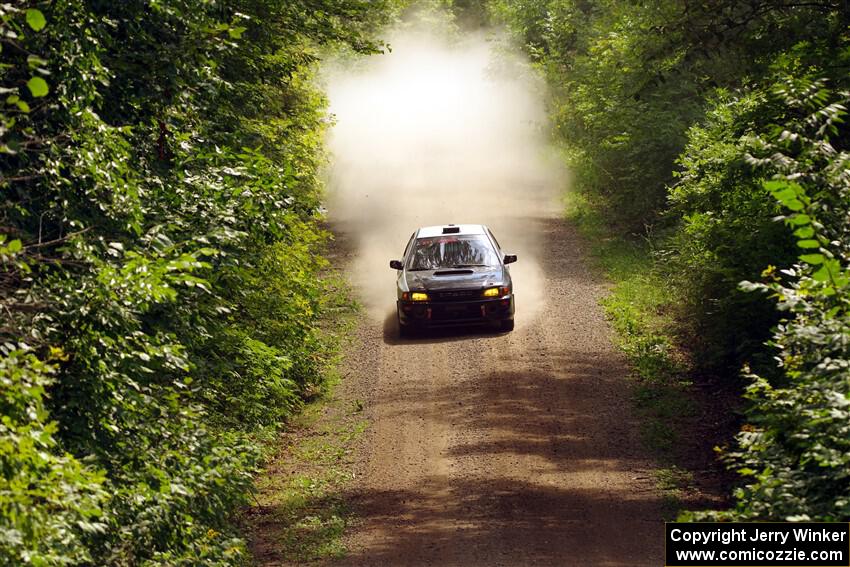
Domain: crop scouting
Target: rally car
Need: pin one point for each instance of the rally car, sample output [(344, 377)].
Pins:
[(454, 275)]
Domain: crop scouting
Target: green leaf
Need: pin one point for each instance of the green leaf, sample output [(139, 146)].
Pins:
[(785, 195), (774, 185), (800, 219), (813, 259), (35, 19), (38, 87), (236, 32), (808, 243), (831, 269), (786, 192), (794, 205), (805, 232), (14, 246), (23, 106), (821, 275)]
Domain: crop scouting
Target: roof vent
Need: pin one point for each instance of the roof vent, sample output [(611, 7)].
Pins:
[(451, 229)]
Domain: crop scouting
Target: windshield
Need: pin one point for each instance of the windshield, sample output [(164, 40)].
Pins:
[(452, 251)]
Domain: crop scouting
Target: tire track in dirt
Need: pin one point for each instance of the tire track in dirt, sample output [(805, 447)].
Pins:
[(507, 450)]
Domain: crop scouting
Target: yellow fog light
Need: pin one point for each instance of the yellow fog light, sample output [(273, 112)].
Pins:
[(491, 292), (419, 296)]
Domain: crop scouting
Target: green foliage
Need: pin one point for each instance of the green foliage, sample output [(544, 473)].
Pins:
[(794, 453), (159, 265), (720, 205), (268, 354), (51, 503)]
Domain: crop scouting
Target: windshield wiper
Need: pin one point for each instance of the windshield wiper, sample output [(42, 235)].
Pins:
[(419, 269), (468, 265)]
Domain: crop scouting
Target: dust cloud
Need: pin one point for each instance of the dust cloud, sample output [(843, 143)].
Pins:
[(441, 130)]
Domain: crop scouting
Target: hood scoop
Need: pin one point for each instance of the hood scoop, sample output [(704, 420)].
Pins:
[(453, 272)]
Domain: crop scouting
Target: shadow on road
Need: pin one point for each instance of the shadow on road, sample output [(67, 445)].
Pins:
[(431, 336), (506, 522)]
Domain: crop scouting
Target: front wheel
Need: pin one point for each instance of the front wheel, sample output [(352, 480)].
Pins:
[(507, 325), (404, 331)]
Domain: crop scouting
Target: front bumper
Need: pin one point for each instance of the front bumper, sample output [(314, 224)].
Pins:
[(422, 314)]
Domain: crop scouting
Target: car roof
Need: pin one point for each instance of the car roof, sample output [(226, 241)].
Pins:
[(428, 231)]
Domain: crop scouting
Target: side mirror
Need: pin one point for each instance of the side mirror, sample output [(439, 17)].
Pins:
[(396, 265), (509, 258)]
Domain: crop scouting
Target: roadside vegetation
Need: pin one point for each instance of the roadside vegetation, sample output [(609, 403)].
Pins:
[(712, 139), (160, 261), (299, 512)]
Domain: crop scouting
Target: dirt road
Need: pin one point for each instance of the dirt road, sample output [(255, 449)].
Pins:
[(504, 449)]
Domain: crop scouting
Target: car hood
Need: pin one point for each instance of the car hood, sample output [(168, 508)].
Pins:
[(456, 279)]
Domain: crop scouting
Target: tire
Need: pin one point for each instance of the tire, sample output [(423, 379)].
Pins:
[(507, 325), (404, 331)]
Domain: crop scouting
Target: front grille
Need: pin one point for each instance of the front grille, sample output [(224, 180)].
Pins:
[(456, 295), (450, 312)]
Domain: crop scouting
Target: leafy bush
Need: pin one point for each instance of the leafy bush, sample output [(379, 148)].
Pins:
[(719, 204), (726, 232), (50, 503), (159, 263), (795, 452)]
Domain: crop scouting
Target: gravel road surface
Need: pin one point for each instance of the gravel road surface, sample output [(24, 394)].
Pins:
[(507, 450)]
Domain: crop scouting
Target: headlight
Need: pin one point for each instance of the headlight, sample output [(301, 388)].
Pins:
[(419, 296), (491, 292), (496, 291)]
